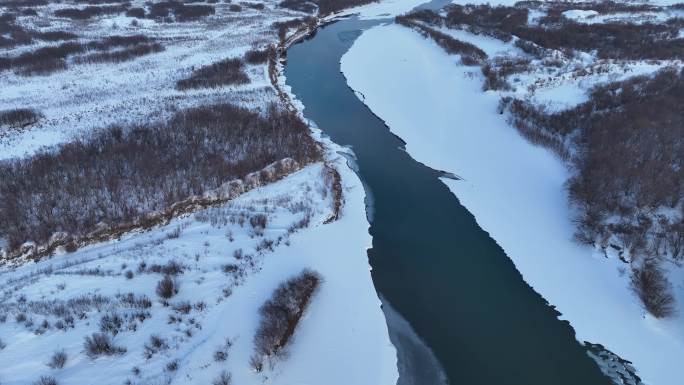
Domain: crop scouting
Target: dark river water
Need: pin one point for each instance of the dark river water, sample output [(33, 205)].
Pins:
[(442, 273)]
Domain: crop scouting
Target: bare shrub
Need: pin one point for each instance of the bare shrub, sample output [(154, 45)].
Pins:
[(333, 180), (88, 12), (324, 7), (136, 12), (652, 287), (56, 36), (225, 72), (258, 221), (129, 274), (257, 56), (238, 254), (282, 312), (58, 360), (256, 362), (284, 26), (182, 307), (156, 344), (448, 43), (121, 55), (13, 34), (111, 323), (135, 302), (100, 344), (20, 317), (175, 233), (299, 5), (193, 12), (172, 267), (223, 379), (19, 117), (23, 3), (167, 287), (46, 380), (46, 60), (2, 344), (610, 40), (221, 354), (172, 366), (43, 60), (257, 6)]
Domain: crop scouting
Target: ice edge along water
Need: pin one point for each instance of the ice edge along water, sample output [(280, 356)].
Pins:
[(514, 189)]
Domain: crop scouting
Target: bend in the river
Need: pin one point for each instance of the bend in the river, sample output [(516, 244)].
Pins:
[(446, 276)]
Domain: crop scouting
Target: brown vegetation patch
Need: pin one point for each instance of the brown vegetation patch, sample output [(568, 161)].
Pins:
[(225, 72), (142, 176), (281, 314)]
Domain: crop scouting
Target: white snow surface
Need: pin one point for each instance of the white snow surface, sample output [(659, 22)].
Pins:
[(381, 9), (514, 189), (342, 339)]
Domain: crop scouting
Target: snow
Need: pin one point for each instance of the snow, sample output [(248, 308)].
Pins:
[(490, 45), (579, 14), (514, 189), (593, 17), (342, 339), (382, 9)]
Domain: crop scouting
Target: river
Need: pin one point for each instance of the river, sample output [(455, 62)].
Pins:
[(440, 272)]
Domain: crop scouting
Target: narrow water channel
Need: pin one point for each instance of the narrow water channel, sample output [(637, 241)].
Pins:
[(453, 284)]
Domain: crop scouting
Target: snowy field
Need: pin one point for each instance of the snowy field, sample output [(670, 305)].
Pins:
[(225, 266), (514, 189), (90, 96), (229, 269)]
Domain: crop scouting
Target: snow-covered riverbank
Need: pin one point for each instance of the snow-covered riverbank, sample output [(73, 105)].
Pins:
[(230, 267), (514, 189), (342, 339)]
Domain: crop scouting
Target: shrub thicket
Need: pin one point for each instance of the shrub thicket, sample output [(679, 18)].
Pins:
[(180, 11), (652, 287), (167, 287), (225, 72), (89, 12), (58, 360), (254, 56), (120, 174), (100, 344), (46, 380), (324, 7), (448, 43), (49, 59), (628, 161), (19, 117), (282, 312)]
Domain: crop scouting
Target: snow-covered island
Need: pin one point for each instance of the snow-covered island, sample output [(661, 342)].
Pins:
[(503, 98)]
